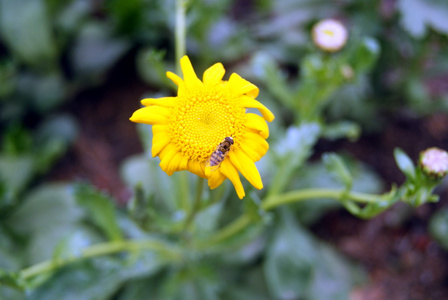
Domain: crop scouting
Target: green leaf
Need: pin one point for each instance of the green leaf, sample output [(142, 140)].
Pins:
[(419, 193), (8, 71), (208, 219), (405, 163), (252, 207), (16, 140), (141, 288), (11, 250), (7, 292), (25, 28), (95, 51), (288, 267), (291, 151), (69, 16), (438, 227), (144, 172), (365, 54), (417, 15), (350, 130), (128, 14), (61, 126), (333, 276), (44, 92), (152, 67), (373, 209), (101, 210), (316, 175), (15, 174), (11, 279), (96, 279), (248, 285), (199, 282), (299, 267), (336, 166), (265, 68), (49, 212)]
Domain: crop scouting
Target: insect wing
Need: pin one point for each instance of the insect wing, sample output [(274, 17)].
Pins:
[(212, 167), (215, 160)]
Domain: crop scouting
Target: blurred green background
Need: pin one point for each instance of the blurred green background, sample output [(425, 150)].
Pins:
[(75, 172)]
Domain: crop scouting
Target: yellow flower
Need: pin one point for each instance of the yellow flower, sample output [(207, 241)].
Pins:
[(188, 128)]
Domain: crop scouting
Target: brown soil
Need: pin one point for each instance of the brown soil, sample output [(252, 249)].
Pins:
[(402, 260), (106, 136)]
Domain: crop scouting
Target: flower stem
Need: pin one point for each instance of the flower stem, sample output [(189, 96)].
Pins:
[(305, 194), (180, 34), (295, 196), (184, 196), (180, 41), (97, 250), (227, 232), (196, 204)]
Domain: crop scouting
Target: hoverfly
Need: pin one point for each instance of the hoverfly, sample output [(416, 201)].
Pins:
[(217, 157)]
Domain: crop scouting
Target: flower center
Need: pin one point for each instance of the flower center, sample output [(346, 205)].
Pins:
[(202, 119)]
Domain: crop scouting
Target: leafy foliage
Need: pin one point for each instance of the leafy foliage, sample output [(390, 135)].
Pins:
[(176, 239)]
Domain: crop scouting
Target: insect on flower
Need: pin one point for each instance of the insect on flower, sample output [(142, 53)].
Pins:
[(217, 157), (187, 127)]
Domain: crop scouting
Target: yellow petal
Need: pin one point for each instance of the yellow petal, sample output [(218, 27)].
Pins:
[(239, 86), (253, 150), (160, 138), (165, 102), (160, 129), (159, 142), (228, 170), (183, 165), (191, 80), (174, 163), (175, 78), (248, 102), (166, 156), (214, 74), (197, 168), (258, 124), (208, 171), (216, 179), (247, 167), (255, 141), (151, 115)]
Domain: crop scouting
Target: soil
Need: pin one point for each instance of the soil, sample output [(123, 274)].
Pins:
[(395, 248)]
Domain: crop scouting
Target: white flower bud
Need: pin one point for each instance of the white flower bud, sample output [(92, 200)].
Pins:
[(434, 162), (330, 35)]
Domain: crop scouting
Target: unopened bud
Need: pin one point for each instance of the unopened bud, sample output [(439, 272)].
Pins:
[(330, 35), (434, 162)]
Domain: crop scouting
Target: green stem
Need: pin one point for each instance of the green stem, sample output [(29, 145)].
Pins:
[(180, 41), (295, 196), (217, 196), (97, 250), (305, 194), (227, 232), (184, 195), (281, 178), (196, 204), (180, 34)]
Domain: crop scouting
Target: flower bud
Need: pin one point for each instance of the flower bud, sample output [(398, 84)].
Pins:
[(434, 162), (330, 35)]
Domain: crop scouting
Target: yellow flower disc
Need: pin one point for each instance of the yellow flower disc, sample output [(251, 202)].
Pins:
[(202, 120)]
